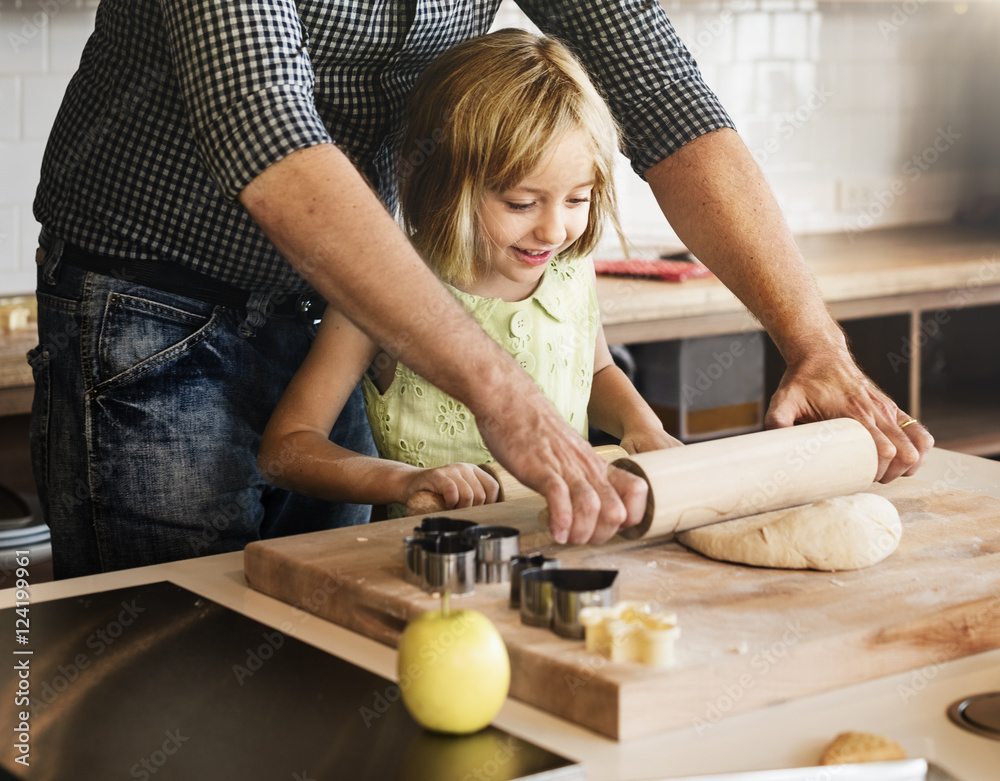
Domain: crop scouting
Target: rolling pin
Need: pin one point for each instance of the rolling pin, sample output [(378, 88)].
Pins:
[(729, 478), (424, 502)]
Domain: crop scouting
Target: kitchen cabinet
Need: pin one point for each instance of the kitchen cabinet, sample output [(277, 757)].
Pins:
[(920, 306)]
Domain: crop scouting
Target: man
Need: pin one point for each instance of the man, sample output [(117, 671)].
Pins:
[(202, 145)]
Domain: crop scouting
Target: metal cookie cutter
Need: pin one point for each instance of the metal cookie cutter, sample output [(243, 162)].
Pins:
[(555, 597), (519, 564), (495, 547), (439, 525), (413, 561), (577, 590), (441, 563)]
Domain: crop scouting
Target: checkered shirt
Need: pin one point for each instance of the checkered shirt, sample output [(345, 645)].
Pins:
[(178, 104)]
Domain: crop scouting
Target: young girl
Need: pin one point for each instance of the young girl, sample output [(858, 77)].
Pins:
[(505, 180)]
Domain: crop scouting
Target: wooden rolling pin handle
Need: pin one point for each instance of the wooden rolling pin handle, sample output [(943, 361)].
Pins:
[(423, 502)]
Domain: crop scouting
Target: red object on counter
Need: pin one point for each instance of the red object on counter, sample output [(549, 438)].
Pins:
[(669, 270)]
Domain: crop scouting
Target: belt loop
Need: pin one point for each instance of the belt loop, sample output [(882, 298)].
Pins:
[(258, 305)]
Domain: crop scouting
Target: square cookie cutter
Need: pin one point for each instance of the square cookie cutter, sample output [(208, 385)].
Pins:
[(553, 598)]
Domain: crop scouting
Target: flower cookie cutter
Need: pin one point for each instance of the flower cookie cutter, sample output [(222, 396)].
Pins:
[(438, 526), (453, 554), (495, 547), (441, 563)]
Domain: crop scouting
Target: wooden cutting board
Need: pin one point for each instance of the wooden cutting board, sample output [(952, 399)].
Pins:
[(750, 636)]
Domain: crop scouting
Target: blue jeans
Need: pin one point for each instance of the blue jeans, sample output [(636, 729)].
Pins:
[(148, 413)]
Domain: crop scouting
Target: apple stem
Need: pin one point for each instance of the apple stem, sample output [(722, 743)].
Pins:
[(444, 603)]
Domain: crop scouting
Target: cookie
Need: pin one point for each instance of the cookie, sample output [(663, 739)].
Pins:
[(850, 747)]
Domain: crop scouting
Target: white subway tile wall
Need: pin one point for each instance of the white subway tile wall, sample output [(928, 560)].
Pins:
[(10, 98), (40, 46), (860, 114), (10, 260)]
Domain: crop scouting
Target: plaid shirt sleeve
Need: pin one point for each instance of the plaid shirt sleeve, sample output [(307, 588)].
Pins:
[(247, 81), (644, 70)]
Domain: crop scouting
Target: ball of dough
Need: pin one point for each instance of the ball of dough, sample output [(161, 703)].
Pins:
[(850, 747), (846, 532)]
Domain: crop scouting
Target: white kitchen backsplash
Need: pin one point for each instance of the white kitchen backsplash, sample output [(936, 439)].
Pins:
[(860, 114), (40, 46)]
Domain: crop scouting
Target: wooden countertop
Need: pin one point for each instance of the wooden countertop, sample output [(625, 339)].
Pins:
[(18, 334), (14, 346), (859, 275), (16, 381)]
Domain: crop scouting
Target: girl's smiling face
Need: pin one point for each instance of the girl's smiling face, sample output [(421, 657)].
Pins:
[(532, 222)]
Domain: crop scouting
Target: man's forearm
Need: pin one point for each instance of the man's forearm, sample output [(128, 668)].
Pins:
[(717, 200)]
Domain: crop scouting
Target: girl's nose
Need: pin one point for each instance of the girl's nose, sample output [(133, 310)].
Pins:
[(550, 228)]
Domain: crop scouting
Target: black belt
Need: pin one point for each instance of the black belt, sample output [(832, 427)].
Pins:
[(172, 278)]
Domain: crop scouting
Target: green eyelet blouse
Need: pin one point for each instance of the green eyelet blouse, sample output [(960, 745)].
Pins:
[(551, 335)]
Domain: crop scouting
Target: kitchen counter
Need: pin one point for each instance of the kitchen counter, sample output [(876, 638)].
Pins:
[(909, 707), (16, 382), (919, 305), (872, 273)]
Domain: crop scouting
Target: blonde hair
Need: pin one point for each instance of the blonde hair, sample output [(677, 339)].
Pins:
[(480, 119)]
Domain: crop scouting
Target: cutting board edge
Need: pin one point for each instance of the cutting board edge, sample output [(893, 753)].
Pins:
[(297, 578), (961, 630)]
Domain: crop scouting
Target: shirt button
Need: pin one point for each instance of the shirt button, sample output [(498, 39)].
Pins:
[(526, 360), (519, 324)]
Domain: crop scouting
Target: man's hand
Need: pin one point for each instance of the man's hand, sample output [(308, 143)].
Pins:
[(716, 198), (584, 504), (832, 386)]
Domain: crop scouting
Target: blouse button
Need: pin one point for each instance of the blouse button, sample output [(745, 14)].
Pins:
[(526, 360), (520, 325)]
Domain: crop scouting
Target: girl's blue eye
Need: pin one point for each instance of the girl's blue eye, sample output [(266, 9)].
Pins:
[(519, 207)]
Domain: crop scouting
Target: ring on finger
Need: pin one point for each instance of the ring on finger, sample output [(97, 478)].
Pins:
[(907, 422)]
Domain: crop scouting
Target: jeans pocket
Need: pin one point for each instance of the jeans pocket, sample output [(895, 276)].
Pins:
[(138, 335)]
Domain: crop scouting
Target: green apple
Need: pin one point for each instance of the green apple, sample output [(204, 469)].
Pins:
[(454, 672)]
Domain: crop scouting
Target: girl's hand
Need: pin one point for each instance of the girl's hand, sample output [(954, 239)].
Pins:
[(642, 440), (459, 485)]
